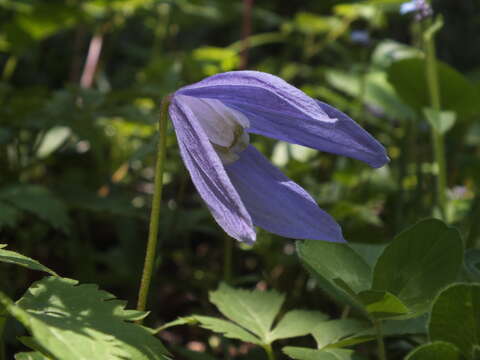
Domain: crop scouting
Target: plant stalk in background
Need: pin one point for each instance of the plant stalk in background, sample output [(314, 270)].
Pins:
[(434, 92), (155, 214)]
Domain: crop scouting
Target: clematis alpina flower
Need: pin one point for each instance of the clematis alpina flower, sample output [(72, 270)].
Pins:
[(212, 121)]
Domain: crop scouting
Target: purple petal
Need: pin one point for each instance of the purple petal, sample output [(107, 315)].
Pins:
[(278, 110), (278, 204), (209, 176)]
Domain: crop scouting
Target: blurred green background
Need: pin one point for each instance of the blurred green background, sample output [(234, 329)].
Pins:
[(80, 86)]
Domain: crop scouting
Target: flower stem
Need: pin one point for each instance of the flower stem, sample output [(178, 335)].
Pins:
[(155, 213), (434, 92), (380, 343), (227, 259), (268, 349)]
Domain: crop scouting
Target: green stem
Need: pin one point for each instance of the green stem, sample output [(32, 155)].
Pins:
[(155, 214), (380, 343), (437, 137), (268, 349)]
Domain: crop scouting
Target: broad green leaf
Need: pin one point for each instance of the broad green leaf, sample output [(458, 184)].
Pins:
[(382, 304), (369, 252), (38, 200), (30, 356), (253, 310), (227, 329), (299, 353), (337, 267), (73, 321), (437, 350), (13, 257), (330, 333), (456, 92), (455, 318), (441, 121), (418, 263), (297, 323)]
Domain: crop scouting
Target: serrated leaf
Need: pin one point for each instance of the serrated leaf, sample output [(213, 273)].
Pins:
[(227, 329), (330, 333), (337, 267), (297, 323), (382, 304), (438, 350), (455, 318), (299, 353), (418, 263), (30, 356), (39, 201), (253, 310), (13, 257), (74, 322)]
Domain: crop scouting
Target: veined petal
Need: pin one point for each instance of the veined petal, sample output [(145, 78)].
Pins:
[(209, 176), (278, 204), (277, 109)]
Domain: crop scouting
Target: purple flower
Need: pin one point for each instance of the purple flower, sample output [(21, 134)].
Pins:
[(421, 8), (213, 119)]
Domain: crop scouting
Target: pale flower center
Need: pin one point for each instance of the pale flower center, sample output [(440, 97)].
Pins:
[(225, 127)]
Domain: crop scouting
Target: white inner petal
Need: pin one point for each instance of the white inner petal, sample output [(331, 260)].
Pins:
[(225, 127)]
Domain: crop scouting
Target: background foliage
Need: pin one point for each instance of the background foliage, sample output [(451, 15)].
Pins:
[(80, 87)]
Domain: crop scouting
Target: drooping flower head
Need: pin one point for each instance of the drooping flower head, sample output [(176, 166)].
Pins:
[(242, 189)]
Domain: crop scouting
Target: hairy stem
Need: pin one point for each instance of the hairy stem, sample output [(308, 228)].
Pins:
[(155, 213)]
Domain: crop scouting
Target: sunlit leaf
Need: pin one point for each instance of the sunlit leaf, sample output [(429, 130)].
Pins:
[(74, 321), (329, 333), (253, 310), (13, 257), (297, 323), (300, 353)]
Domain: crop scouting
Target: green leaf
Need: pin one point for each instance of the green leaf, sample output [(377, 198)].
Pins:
[(73, 321), (382, 304), (30, 356), (330, 333), (441, 121), (437, 350), (369, 252), (456, 92), (227, 329), (418, 263), (40, 201), (13, 257), (300, 353), (253, 310), (455, 318), (53, 139), (297, 323), (337, 268)]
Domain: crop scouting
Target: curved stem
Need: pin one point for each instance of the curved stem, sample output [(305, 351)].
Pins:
[(380, 343), (155, 214)]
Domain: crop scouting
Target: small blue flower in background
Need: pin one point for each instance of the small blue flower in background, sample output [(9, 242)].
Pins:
[(421, 8), (212, 121), (360, 37)]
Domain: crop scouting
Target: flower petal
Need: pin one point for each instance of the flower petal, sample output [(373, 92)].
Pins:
[(209, 176), (277, 109), (278, 204)]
